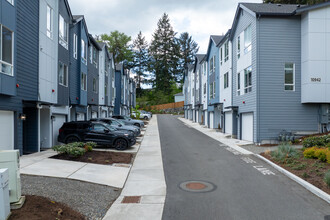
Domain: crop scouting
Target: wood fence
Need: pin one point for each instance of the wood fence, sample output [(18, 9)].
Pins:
[(168, 105)]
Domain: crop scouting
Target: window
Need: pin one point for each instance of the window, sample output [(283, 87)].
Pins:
[(95, 57), (205, 68), (211, 91), (247, 39), (83, 81), (6, 51), (94, 85), (226, 51), (83, 52), (238, 47), (221, 55), (91, 54), (289, 76), (238, 83), (63, 32), (49, 22), (62, 74), (11, 1), (212, 65), (226, 81), (204, 88), (75, 46), (248, 80)]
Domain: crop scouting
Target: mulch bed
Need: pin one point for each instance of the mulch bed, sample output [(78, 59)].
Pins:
[(37, 207), (311, 170), (98, 157)]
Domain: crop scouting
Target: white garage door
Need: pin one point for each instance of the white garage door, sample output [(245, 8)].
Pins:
[(94, 114), (103, 114), (228, 123), (247, 126), (57, 124), (205, 118), (80, 117), (6, 130), (211, 120)]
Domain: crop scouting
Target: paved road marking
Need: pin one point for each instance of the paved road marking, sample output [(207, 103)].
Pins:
[(264, 170), (248, 160), (235, 152)]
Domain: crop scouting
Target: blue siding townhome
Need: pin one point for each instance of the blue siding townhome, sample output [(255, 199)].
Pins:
[(112, 90), (214, 105), (198, 88), (78, 69), (93, 78)]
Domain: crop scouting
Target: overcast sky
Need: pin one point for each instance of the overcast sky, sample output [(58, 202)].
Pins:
[(197, 17)]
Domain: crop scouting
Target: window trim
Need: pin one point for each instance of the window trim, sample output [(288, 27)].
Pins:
[(226, 80), (247, 47), (11, 2), (247, 80), (61, 40), (50, 31), (67, 74), (238, 83), (238, 47), (293, 77), (84, 45), (11, 65), (75, 46), (83, 82), (226, 47), (221, 55), (94, 85)]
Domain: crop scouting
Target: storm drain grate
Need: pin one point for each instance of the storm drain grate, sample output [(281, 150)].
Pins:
[(131, 199)]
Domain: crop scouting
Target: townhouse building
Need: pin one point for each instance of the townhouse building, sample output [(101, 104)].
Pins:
[(273, 67), (198, 87), (188, 92), (205, 90), (214, 105)]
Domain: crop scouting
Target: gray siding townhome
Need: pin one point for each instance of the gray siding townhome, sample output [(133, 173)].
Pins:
[(112, 89), (198, 87), (118, 83), (104, 80), (267, 76), (93, 79)]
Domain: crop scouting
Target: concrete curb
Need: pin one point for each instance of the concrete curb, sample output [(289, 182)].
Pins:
[(313, 189)]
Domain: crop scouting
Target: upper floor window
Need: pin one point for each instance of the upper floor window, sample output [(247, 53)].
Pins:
[(226, 80), (6, 51), (238, 83), (63, 32), (204, 88), (91, 54), (84, 81), (62, 74), (83, 52), (248, 80), (247, 39), (49, 22), (226, 51), (212, 65), (238, 47), (11, 1), (95, 57), (289, 76), (75, 46), (221, 56), (94, 85)]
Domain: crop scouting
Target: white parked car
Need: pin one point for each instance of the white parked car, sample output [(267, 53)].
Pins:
[(145, 116)]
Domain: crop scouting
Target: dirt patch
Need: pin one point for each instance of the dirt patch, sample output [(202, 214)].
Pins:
[(98, 157), (311, 170), (267, 145), (37, 207)]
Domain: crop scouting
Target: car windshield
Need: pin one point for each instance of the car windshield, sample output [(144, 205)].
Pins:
[(115, 122), (110, 127)]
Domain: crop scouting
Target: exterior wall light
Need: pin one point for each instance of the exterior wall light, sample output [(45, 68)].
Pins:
[(22, 117)]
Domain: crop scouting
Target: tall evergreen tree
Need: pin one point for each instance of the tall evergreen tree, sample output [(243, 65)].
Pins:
[(164, 53), (300, 2), (188, 50), (118, 44), (140, 60)]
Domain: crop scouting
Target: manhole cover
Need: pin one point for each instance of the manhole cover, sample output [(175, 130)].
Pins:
[(197, 186)]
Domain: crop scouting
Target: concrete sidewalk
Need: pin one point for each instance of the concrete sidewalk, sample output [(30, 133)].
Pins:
[(39, 164), (146, 182)]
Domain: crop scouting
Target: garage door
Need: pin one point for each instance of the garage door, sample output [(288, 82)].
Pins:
[(205, 118), (80, 117), (103, 114), (94, 114), (247, 126), (228, 123), (211, 120), (57, 124), (6, 130)]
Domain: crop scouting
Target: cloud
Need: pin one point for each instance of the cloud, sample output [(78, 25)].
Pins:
[(199, 18)]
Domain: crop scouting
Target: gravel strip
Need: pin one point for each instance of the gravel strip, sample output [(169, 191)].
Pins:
[(91, 200)]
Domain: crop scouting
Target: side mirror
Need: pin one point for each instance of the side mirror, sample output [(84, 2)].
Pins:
[(120, 126)]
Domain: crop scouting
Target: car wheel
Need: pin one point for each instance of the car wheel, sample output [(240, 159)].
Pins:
[(145, 118), (121, 144), (71, 139), (137, 125)]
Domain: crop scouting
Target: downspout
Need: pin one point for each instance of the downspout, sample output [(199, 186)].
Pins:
[(39, 106), (258, 80), (87, 112)]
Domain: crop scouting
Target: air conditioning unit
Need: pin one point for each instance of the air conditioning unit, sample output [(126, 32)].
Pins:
[(10, 159), (4, 194)]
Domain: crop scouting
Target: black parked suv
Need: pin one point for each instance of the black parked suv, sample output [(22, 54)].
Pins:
[(98, 132)]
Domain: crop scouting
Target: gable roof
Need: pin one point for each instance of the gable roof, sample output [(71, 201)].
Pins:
[(78, 18), (225, 37), (215, 39), (312, 7), (69, 9), (94, 42), (271, 9), (200, 57)]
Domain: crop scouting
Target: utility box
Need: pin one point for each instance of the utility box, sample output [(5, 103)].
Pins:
[(4, 194), (10, 159)]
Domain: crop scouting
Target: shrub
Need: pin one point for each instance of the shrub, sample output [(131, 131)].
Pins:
[(316, 141), (327, 178), (284, 152), (310, 153), (320, 153), (74, 149)]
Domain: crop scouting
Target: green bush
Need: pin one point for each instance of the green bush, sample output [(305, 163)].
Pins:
[(285, 151), (327, 178), (310, 153), (74, 149), (316, 141)]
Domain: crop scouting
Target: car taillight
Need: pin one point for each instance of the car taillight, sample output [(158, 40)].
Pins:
[(60, 130)]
